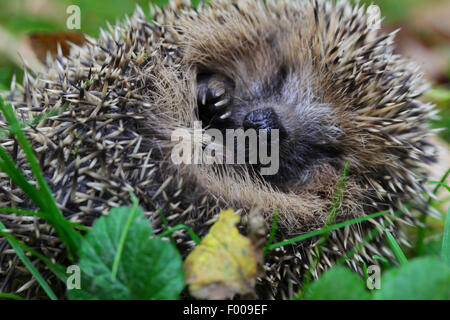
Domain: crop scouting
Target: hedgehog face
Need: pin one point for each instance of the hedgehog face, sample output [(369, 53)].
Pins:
[(327, 80), (268, 77), (263, 98)]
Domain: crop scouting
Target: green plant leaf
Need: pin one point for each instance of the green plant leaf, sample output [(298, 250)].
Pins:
[(446, 239), (148, 268), (425, 278), (338, 283)]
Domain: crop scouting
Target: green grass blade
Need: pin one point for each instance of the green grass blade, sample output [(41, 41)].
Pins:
[(166, 226), (335, 203), (327, 229), (57, 269), (366, 274), (396, 249), (440, 184), (16, 129), (4, 295), (420, 245), (337, 198), (339, 191), (24, 212), (44, 200), (372, 234), (272, 231), (8, 166), (383, 259), (79, 226), (446, 239), (191, 232), (4, 133), (29, 265)]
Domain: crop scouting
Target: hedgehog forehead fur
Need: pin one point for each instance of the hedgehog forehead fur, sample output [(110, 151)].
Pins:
[(316, 69)]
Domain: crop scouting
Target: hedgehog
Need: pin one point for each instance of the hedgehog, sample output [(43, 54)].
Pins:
[(316, 72)]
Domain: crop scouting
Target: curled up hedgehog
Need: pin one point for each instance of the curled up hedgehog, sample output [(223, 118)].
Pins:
[(316, 72)]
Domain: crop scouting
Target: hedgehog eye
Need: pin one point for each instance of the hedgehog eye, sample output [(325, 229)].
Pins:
[(283, 72), (279, 79)]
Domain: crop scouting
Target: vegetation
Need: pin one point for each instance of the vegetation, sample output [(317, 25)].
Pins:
[(120, 259), (154, 268)]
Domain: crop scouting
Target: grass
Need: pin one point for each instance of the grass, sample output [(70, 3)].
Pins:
[(49, 211), (446, 239), (273, 230), (10, 296), (191, 232), (42, 196), (421, 233), (95, 14), (57, 269), (396, 248), (326, 230), (29, 265)]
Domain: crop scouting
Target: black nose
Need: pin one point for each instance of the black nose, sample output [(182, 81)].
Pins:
[(265, 119)]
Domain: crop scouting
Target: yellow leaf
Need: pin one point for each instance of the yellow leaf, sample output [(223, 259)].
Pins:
[(223, 264)]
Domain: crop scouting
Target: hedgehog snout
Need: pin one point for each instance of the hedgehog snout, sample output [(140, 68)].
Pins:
[(263, 119)]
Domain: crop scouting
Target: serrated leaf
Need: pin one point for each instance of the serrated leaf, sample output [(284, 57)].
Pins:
[(224, 264), (338, 283), (148, 268), (426, 278)]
